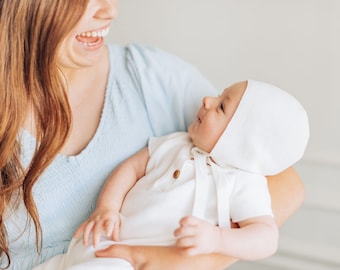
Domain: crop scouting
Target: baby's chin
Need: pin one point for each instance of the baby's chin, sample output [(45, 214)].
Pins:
[(190, 130)]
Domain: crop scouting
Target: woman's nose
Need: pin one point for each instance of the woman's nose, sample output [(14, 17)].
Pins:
[(106, 9)]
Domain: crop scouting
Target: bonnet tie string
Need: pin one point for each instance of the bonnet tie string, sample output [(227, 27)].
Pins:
[(201, 183), (224, 182)]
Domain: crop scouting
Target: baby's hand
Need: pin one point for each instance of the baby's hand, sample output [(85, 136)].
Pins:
[(100, 220), (196, 236)]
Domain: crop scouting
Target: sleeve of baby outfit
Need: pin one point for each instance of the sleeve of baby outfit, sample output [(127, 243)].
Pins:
[(171, 88), (250, 197)]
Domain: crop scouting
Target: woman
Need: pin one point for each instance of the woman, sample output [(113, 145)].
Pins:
[(71, 110)]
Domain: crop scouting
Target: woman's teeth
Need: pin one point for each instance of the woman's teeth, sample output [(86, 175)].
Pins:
[(92, 38), (101, 33)]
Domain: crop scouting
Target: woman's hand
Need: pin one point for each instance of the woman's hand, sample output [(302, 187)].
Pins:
[(100, 220), (165, 258)]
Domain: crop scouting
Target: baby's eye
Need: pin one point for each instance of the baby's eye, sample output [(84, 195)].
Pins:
[(222, 107)]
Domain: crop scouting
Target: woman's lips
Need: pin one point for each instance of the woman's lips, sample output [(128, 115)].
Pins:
[(92, 38)]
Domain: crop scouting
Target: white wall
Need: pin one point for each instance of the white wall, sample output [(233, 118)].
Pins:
[(294, 44)]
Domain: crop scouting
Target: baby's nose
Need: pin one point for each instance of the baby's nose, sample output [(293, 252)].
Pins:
[(206, 102)]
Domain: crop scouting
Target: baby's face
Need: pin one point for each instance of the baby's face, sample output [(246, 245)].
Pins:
[(214, 116)]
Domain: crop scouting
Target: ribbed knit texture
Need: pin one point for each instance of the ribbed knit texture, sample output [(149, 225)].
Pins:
[(149, 93)]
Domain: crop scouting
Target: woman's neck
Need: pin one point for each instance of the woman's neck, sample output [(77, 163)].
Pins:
[(86, 92)]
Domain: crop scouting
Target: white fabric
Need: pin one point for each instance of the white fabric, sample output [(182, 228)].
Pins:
[(201, 184), (154, 206), (80, 258), (268, 132)]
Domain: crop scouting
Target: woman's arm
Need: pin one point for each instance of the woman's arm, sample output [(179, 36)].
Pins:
[(165, 258), (287, 193)]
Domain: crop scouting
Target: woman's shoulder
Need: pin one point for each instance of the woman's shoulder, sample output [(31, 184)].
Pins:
[(170, 88), (143, 56)]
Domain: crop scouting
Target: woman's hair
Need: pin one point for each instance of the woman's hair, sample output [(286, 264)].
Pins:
[(31, 82)]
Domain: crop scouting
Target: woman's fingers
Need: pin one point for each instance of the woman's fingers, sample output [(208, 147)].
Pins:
[(118, 251)]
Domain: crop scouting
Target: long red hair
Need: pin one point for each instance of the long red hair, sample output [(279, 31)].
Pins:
[(30, 36)]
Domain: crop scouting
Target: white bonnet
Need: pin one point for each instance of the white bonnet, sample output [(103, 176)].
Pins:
[(268, 132)]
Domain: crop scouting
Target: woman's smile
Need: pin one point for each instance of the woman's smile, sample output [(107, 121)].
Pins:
[(93, 39)]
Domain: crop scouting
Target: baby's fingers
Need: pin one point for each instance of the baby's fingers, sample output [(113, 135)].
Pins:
[(112, 229), (87, 232), (188, 245), (109, 228), (189, 221), (97, 232), (80, 230), (185, 231), (116, 232), (185, 242)]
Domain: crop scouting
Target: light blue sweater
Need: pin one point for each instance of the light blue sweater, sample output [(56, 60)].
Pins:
[(149, 93)]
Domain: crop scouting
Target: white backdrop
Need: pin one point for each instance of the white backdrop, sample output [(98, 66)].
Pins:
[(294, 44)]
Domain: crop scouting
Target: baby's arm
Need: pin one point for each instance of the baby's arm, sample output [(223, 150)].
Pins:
[(106, 215), (256, 238)]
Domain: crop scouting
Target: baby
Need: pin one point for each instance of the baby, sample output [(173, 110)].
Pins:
[(184, 188)]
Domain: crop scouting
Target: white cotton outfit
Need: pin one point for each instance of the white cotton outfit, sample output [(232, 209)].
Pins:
[(154, 206), (183, 180), (149, 93)]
